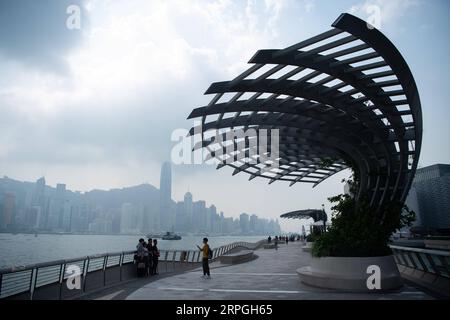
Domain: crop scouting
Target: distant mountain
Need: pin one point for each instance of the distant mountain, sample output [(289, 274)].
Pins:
[(145, 194), (142, 194)]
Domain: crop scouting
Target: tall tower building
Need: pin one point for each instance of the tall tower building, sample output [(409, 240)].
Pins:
[(165, 198), (40, 201), (56, 208), (128, 219), (244, 221), (39, 192), (8, 210), (188, 210)]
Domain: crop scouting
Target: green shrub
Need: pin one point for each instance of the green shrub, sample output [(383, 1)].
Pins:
[(314, 235), (359, 230)]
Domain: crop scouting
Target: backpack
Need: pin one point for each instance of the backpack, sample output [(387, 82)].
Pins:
[(210, 253)]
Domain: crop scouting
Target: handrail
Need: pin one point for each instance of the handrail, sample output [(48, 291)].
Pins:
[(27, 279), (435, 262), (422, 250), (58, 262)]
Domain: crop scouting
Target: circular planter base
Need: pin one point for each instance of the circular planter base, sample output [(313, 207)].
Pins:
[(352, 273), (307, 247)]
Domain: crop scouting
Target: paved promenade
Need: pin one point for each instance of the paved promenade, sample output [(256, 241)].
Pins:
[(272, 275)]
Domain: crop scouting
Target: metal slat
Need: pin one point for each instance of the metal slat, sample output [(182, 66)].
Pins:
[(308, 42)]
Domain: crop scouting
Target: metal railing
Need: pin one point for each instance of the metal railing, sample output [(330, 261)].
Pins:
[(431, 261), (24, 282)]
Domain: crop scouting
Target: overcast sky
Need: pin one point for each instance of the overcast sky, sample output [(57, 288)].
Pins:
[(95, 107)]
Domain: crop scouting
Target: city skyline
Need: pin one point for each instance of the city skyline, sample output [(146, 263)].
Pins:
[(76, 104), (28, 206), (224, 150)]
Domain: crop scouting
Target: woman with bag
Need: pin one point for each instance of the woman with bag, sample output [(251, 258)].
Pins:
[(142, 258)]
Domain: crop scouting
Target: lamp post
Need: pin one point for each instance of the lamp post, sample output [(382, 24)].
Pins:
[(324, 218)]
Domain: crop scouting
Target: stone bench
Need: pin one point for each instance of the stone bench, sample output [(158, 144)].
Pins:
[(240, 256)]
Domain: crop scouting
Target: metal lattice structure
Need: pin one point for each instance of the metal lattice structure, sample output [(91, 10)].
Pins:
[(345, 97), (316, 214)]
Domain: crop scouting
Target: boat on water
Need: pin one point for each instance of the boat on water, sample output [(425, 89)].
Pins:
[(154, 236), (171, 236)]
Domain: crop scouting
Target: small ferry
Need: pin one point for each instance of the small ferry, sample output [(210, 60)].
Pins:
[(171, 236)]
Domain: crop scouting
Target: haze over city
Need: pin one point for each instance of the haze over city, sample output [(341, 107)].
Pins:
[(95, 108)]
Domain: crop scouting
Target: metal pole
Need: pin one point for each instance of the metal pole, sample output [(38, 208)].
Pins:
[(62, 269), (165, 259), (33, 281), (173, 260), (422, 263), (187, 256), (120, 266), (430, 259), (86, 273), (105, 262)]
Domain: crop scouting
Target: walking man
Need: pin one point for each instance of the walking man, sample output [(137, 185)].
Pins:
[(205, 258)]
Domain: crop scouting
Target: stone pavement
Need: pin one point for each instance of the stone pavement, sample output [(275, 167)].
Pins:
[(272, 275)]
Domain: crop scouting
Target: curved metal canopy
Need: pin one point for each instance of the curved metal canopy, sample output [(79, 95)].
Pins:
[(316, 214), (345, 97)]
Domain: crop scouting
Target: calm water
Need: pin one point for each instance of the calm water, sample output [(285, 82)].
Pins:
[(23, 249)]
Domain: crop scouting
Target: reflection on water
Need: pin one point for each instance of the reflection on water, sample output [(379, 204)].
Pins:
[(23, 249)]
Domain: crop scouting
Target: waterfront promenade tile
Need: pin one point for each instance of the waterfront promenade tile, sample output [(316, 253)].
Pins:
[(270, 276)]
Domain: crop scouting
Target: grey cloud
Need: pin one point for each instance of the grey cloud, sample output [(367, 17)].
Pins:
[(35, 32)]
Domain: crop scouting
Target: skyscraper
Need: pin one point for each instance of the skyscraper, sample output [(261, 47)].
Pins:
[(180, 221), (188, 210), (253, 222), (199, 216), (40, 203), (8, 210), (128, 219), (430, 192), (244, 222), (165, 189)]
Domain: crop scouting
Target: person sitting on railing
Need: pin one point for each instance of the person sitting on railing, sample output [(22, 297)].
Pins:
[(155, 256)]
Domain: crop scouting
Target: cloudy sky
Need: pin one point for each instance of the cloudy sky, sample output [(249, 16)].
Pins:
[(95, 107)]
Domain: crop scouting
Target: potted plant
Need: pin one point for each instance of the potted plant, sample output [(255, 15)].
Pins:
[(356, 244)]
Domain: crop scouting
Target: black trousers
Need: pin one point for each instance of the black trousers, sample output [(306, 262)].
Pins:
[(205, 265), (155, 266)]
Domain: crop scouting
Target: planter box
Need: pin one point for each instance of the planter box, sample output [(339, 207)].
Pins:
[(350, 273), (307, 247)]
